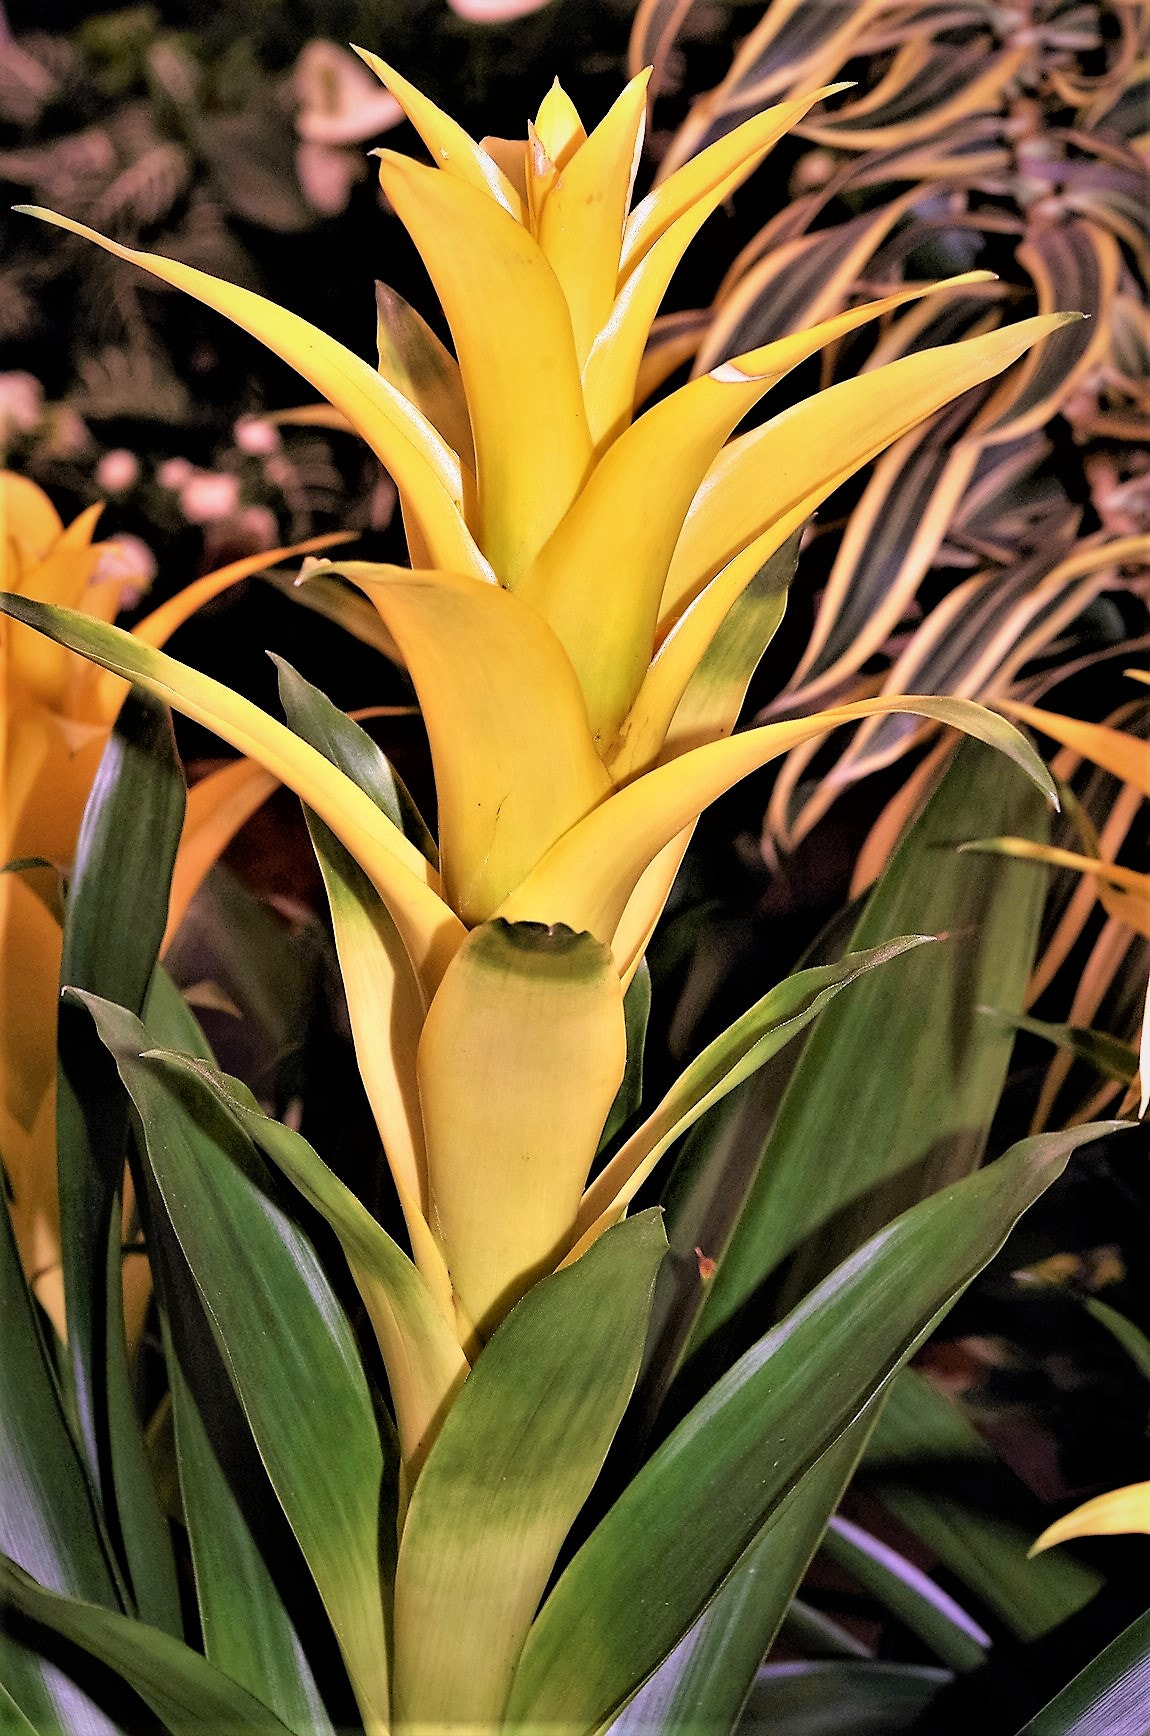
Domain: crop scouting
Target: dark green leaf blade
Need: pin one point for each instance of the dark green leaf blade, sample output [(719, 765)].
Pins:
[(1110, 1697), (653, 1562), (176, 1682), (903, 1061), (287, 1344), (116, 911)]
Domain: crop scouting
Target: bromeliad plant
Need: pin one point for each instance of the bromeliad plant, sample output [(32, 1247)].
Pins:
[(589, 596)]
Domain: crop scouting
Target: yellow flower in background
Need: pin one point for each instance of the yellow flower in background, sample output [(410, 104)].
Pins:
[(56, 713), (590, 592)]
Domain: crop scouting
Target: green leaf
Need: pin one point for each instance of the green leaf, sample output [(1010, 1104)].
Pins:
[(827, 1699), (1133, 1341), (287, 1344), (705, 1682), (116, 911), (908, 1593), (48, 1521), (902, 1061), (341, 740), (1107, 1055), (1110, 1697), (178, 1684), (733, 1056), (636, 1012), (516, 1458), (930, 1467), (651, 1565), (413, 1332)]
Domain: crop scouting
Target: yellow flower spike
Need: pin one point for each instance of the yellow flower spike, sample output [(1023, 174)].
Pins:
[(764, 484), (522, 1052), (695, 183), (560, 130), (626, 521), (426, 472), (515, 765), (423, 369), (611, 372), (453, 149), (590, 876), (28, 517), (513, 338), (402, 876), (1112, 1515), (581, 225)]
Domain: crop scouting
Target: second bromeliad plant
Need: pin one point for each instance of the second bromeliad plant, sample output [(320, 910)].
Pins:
[(590, 593)]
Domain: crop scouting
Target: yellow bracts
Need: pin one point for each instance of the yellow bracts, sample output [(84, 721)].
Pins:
[(580, 625), (56, 713)]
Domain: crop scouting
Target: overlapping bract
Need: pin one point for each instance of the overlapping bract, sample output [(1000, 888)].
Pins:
[(572, 567)]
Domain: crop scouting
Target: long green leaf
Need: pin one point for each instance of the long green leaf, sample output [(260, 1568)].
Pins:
[(826, 1699), (954, 1637), (1132, 1339), (48, 1521), (178, 1684), (903, 1062), (287, 1344), (1110, 1697), (116, 912), (659, 1555), (503, 1484), (417, 1342), (930, 1467), (705, 1682)]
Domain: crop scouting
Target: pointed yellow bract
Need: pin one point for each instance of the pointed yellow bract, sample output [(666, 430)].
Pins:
[(590, 596)]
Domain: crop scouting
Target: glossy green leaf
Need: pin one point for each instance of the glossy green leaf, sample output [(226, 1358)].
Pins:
[(1132, 1339), (826, 1699), (739, 1051), (48, 1521), (651, 1565), (636, 1012), (117, 909), (902, 1060), (939, 1622), (933, 1471), (1107, 1055), (287, 1344), (1110, 1697), (515, 1461), (178, 1684), (424, 1359), (705, 1682), (346, 744)]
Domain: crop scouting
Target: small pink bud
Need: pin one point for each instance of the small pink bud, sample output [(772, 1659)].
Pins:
[(117, 471), (209, 495)]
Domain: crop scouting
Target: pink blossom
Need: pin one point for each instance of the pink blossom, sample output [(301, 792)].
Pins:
[(117, 471), (129, 561), (256, 436), (341, 102), (174, 472), (209, 495), (21, 403)]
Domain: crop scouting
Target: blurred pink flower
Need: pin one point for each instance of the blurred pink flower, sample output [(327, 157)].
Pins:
[(174, 472), (495, 11), (208, 495), (341, 102), (256, 436), (257, 526), (21, 403), (326, 176), (130, 562), (117, 470)]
